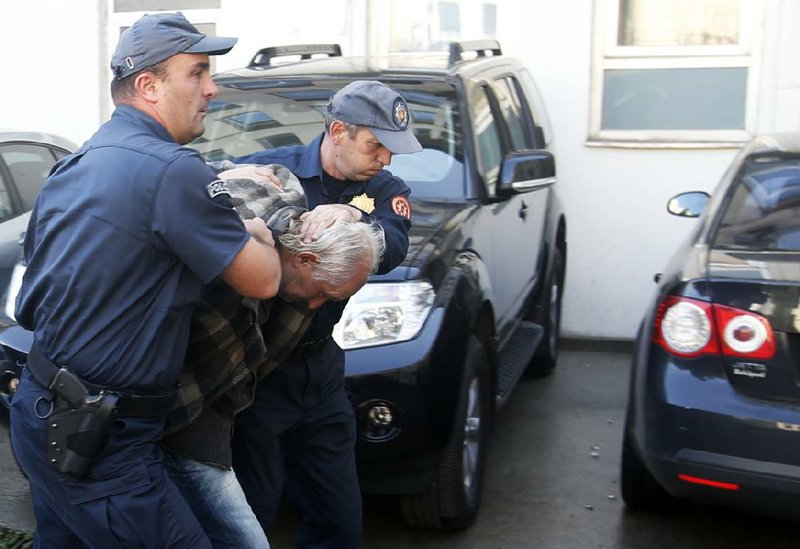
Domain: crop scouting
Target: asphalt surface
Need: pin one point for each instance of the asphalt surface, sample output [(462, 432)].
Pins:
[(551, 481)]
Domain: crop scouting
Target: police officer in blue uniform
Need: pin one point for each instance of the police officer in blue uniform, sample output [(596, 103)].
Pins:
[(122, 239), (299, 434)]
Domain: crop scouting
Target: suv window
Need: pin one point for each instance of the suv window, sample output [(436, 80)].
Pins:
[(487, 133), (763, 212), (511, 108), (244, 119), (537, 110)]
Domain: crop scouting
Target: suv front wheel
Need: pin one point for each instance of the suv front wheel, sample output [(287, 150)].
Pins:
[(452, 500)]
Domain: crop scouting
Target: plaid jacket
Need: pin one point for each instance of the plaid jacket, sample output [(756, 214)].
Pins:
[(234, 342)]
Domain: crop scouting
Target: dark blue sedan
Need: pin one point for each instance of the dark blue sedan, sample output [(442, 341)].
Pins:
[(714, 408)]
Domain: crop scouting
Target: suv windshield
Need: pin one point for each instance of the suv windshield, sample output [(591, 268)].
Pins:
[(249, 116), (763, 212)]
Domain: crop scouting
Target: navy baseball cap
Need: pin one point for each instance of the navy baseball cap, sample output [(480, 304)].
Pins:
[(377, 106), (155, 38)]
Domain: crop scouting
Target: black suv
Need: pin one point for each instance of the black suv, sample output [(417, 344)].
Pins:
[(436, 345)]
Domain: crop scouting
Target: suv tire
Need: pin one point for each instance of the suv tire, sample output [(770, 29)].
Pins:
[(548, 315), (452, 500)]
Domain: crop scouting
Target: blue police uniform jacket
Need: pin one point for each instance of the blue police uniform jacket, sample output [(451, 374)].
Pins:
[(121, 241), (384, 189)]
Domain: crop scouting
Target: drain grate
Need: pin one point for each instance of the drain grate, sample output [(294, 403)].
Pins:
[(12, 539)]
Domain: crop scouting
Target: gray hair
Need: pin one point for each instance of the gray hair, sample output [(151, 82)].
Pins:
[(341, 246)]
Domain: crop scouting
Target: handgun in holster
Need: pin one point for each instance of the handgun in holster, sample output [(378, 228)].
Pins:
[(77, 426)]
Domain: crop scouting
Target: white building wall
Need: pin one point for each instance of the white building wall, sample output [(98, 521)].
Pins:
[(620, 234), (781, 88), (55, 78), (259, 24), (55, 53), (50, 66)]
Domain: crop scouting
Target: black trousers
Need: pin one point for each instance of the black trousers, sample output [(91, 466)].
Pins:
[(298, 437)]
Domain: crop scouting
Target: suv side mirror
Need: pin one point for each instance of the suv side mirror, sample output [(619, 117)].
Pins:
[(525, 171)]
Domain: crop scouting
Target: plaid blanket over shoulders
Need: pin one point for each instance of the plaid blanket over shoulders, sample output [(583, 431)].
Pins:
[(234, 341)]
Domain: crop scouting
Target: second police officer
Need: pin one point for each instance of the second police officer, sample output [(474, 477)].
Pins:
[(299, 434)]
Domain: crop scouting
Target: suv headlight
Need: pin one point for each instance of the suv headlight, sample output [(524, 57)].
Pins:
[(382, 313)]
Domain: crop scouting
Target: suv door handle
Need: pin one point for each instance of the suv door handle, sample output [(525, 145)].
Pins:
[(523, 211)]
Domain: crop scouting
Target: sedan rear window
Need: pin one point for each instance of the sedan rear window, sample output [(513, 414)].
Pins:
[(763, 209)]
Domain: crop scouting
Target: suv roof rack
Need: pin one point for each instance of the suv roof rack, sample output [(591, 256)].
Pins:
[(480, 47), (265, 56)]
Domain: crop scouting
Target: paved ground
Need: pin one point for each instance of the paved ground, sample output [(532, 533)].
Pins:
[(552, 480)]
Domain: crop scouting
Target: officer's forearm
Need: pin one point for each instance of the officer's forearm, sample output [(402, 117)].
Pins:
[(255, 271)]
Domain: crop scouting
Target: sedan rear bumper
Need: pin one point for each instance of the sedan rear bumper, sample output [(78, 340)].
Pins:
[(703, 440), (751, 485)]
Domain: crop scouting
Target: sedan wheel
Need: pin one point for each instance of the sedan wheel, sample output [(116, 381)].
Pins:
[(640, 489)]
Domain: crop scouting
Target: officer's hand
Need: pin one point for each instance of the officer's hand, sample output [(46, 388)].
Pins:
[(256, 172), (258, 230), (323, 216)]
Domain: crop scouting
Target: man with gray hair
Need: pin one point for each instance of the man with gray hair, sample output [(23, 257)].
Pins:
[(234, 343)]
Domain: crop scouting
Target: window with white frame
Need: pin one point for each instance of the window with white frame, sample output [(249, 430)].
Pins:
[(489, 20), (674, 71), (449, 17)]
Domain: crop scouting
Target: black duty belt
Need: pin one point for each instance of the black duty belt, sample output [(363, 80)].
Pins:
[(74, 390)]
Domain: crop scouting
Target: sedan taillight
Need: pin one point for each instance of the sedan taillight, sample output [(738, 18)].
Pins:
[(688, 327)]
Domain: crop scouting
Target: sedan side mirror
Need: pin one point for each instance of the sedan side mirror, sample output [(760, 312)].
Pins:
[(689, 204)]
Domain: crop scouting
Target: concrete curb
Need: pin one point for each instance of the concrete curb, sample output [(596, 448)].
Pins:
[(597, 344)]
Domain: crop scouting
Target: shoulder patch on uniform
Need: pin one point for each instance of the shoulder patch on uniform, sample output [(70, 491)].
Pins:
[(401, 206), (218, 187)]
